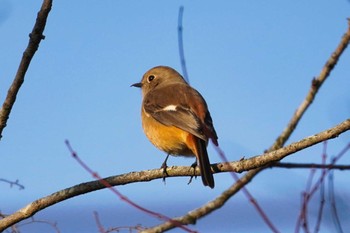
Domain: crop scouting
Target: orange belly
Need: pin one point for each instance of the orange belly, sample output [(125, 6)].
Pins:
[(170, 139)]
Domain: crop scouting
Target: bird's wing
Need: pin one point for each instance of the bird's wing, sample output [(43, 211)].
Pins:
[(171, 106)]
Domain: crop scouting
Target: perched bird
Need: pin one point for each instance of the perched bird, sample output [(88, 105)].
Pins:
[(175, 117)]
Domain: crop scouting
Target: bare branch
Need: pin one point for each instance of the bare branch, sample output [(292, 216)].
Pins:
[(32, 221), (303, 221), (34, 39), (15, 228), (13, 183), (100, 227), (315, 86), (319, 185), (334, 211), (311, 165), (181, 44), (320, 209), (276, 155)]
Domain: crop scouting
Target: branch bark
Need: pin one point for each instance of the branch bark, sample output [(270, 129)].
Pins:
[(34, 40)]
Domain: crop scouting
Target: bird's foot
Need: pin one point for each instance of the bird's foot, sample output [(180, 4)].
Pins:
[(194, 165)]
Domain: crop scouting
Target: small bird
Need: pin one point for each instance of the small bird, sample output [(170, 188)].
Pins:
[(175, 118)]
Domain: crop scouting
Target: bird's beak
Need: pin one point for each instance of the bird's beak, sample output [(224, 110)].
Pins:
[(136, 85)]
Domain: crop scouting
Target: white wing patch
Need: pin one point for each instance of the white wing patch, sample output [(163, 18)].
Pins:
[(170, 108)]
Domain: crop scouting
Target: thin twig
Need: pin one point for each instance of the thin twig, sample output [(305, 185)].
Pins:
[(100, 227), (52, 224), (321, 208), (181, 45), (34, 40), (320, 182), (322, 193), (137, 228), (302, 221), (325, 172), (311, 165), (334, 211), (13, 183)]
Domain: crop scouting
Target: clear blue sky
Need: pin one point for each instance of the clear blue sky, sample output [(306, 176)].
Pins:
[(253, 61)]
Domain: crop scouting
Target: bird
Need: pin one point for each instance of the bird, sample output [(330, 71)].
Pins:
[(176, 119)]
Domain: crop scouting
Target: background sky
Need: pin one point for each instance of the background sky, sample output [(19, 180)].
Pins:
[(253, 61)]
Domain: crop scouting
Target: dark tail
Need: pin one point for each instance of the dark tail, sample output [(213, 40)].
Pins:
[(204, 163)]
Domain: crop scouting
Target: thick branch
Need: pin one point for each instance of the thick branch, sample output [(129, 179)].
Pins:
[(34, 39), (148, 175)]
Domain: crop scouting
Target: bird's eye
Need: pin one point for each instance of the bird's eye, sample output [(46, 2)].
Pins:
[(150, 78)]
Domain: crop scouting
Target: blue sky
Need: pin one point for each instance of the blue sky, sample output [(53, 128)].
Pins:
[(252, 61)]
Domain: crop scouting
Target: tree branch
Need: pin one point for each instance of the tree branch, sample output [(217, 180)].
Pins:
[(148, 175), (13, 183), (34, 39), (315, 86), (276, 155)]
